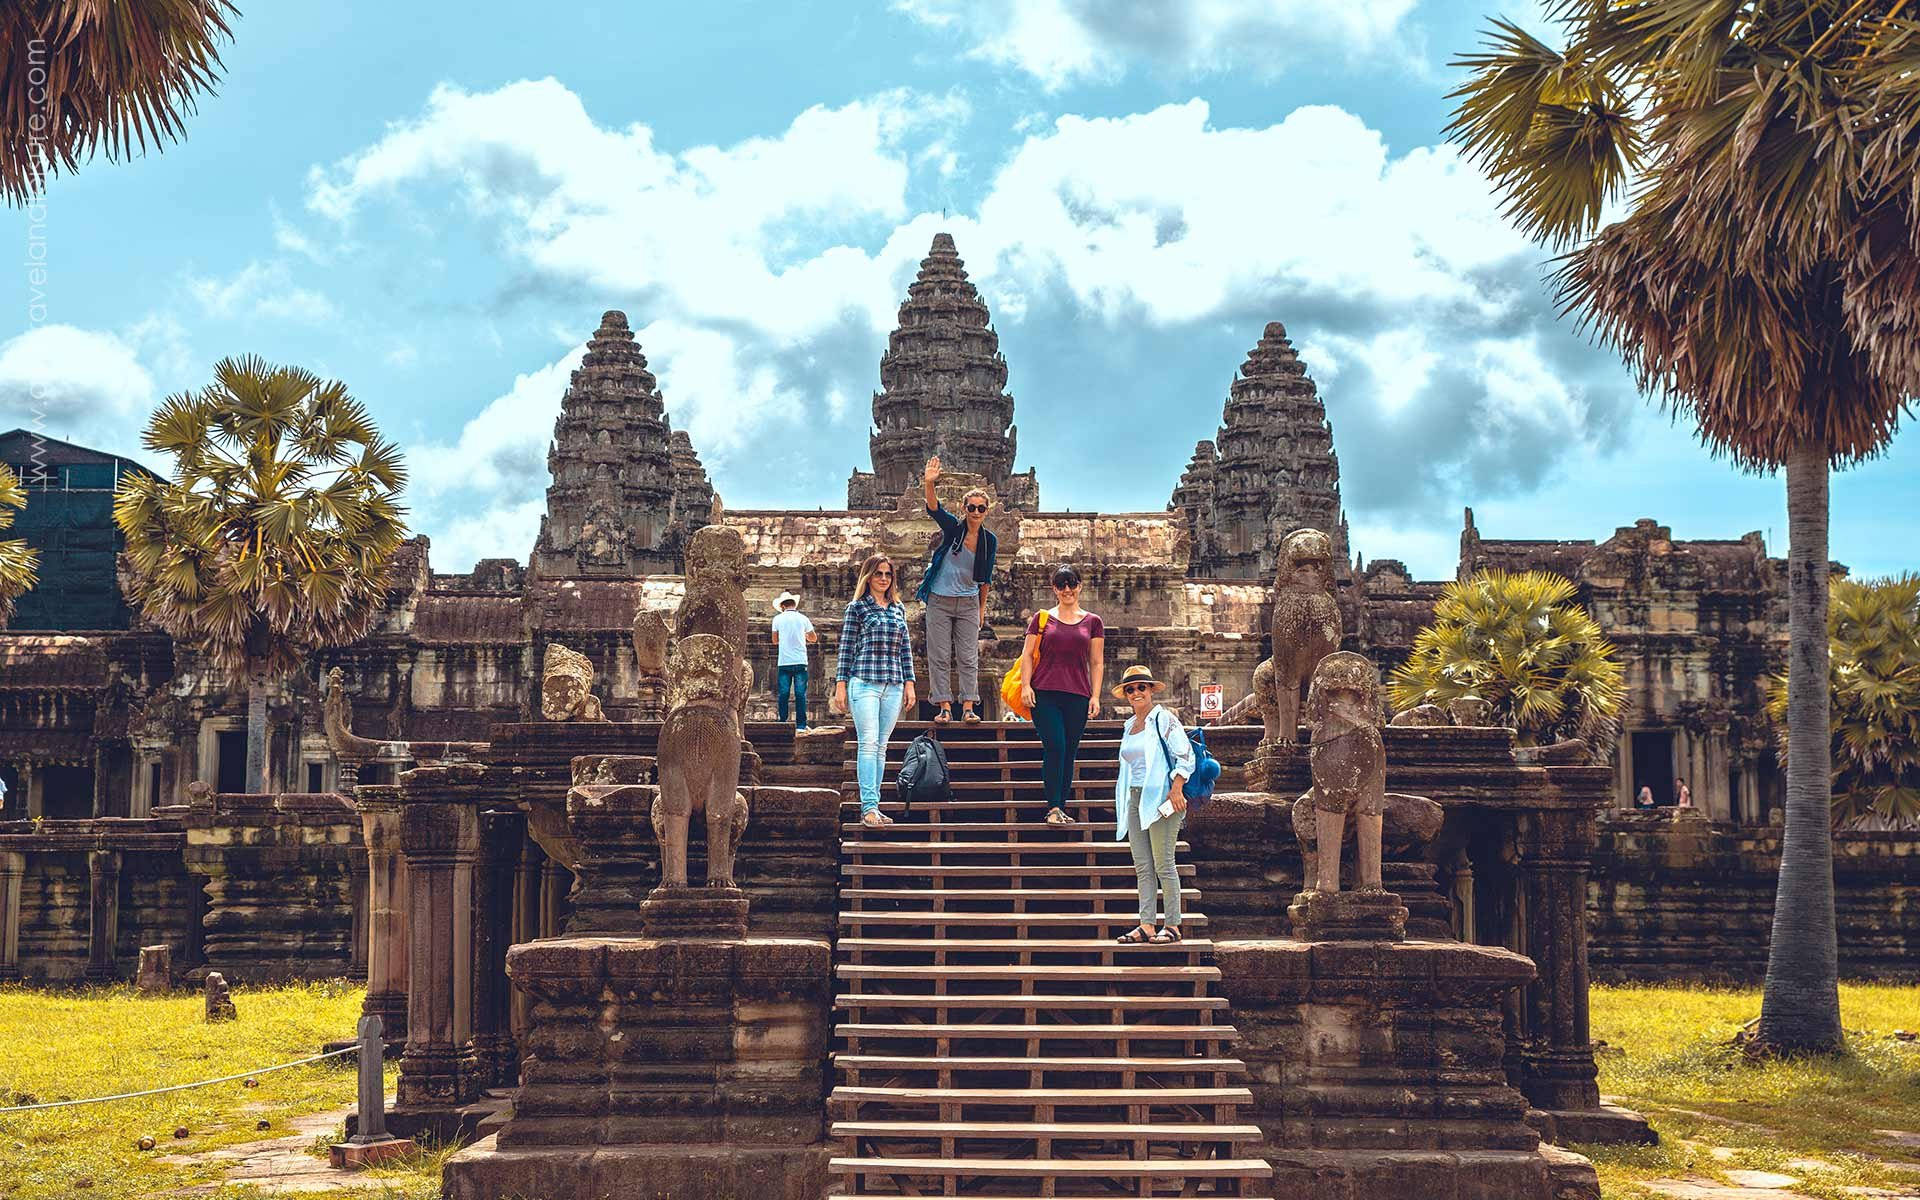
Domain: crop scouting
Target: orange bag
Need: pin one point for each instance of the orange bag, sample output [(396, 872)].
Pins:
[(1010, 684)]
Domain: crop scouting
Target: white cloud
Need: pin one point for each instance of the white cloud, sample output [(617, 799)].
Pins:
[(765, 275), (260, 289), (1060, 42), (83, 385)]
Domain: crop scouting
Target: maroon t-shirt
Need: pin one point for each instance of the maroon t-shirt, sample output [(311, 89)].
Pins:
[(1066, 654)]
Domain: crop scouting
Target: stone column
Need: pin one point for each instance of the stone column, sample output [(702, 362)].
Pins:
[(441, 842), (103, 914), (502, 833), (386, 958), (526, 924), (1558, 1070), (36, 791), (554, 882), (13, 868)]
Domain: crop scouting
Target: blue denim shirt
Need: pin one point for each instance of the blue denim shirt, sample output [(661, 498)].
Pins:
[(953, 532)]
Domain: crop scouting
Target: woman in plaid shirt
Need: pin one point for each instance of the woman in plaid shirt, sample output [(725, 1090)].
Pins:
[(874, 680)]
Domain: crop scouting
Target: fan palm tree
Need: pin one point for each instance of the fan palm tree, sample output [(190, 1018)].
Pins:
[(274, 537), (1762, 278), (1874, 631), (1519, 642), (18, 563), (78, 75)]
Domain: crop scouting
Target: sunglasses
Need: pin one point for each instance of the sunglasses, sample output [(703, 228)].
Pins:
[(1066, 587), (976, 508), (883, 574), (1131, 688)]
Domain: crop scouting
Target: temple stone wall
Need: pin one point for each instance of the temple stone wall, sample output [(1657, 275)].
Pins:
[(47, 917), (1677, 895)]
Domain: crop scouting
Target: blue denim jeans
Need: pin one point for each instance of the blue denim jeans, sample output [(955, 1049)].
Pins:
[(875, 708), (792, 679)]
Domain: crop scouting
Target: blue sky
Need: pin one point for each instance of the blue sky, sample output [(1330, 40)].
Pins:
[(435, 202)]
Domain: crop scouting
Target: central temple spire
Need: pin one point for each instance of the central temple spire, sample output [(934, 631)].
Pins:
[(943, 391)]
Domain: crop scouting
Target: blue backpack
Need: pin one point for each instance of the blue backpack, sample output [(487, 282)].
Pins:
[(1206, 768)]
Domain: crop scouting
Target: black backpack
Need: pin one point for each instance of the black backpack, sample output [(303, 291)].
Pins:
[(923, 773)]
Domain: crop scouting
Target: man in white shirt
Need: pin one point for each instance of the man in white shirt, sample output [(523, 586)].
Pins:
[(792, 632)]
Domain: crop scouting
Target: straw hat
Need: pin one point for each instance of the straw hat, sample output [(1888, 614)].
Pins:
[(781, 602), (1137, 674)]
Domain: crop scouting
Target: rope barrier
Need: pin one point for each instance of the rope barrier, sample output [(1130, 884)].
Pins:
[(181, 1087)]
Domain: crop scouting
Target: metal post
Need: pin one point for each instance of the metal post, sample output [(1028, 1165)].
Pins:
[(373, 1085)]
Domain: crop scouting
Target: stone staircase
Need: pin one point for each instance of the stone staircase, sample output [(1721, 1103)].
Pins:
[(993, 1038)]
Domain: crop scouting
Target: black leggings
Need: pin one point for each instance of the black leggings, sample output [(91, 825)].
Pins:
[(1059, 718)]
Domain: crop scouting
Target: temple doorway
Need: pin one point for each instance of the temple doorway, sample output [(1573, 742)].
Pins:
[(1653, 764), (231, 746)]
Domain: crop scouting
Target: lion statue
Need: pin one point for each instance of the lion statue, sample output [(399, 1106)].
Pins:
[(699, 760), (566, 686), (1306, 628), (1348, 759)]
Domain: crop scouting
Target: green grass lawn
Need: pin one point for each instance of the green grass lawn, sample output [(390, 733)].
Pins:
[(75, 1044), (1667, 1053)]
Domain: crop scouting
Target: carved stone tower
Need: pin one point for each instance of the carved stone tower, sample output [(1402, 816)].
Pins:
[(615, 507), (943, 392), (1274, 470)]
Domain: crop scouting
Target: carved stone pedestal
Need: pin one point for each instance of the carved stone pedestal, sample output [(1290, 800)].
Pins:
[(1376, 1065), (682, 1067), (1348, 916), (694, 913)]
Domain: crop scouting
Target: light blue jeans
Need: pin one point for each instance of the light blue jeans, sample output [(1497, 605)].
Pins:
[(876, 708)]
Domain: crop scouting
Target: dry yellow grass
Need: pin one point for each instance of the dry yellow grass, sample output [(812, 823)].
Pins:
[(1667, 1053), (75, 1044)]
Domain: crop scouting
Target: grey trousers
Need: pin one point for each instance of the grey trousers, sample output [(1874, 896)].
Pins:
[(953, 649), (1153, 865)]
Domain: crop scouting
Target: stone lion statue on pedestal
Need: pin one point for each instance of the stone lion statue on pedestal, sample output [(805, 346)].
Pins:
[(1306, 628), (699, 759), (1349, 761)]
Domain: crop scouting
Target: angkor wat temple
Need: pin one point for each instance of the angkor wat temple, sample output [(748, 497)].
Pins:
[(103, 717)]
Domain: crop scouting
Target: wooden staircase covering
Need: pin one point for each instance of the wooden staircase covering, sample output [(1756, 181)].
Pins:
[(994, 1039)]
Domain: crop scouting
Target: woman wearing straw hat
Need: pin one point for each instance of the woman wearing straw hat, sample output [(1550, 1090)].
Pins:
[(1155, 760)]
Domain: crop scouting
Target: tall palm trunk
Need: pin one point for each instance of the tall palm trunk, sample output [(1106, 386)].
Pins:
[(256, 733), (1800, 1010)]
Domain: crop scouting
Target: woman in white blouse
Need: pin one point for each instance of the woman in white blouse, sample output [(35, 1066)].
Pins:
[(1155, 760)]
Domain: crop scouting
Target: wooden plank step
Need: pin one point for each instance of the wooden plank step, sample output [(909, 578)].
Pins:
[(993, 895), (885, 1062), (1037, 919), (1143, 972), (1061, 1168), (1034, 1003), (1018, 945), (1100, 846), (994, 1032), (1154, 1097), (1170, 1132), (1026, 871), (1085, 830)]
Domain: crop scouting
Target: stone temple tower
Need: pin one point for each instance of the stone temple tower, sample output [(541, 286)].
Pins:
[(1271, 469), (627, 492), (943, 391)]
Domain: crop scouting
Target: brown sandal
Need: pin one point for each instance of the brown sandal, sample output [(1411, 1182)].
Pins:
[(944, 716), (1058, 816), (970, 717), (1167, 936), (1138, 937)]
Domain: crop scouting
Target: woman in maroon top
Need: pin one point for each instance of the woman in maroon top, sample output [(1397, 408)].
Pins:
[(1060, 673)]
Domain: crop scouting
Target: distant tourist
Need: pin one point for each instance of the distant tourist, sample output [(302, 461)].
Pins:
[(1683, 793), (1645, 798), (1060, 670), (1155, 760), (874, 679), (954, 589), (792, 633)]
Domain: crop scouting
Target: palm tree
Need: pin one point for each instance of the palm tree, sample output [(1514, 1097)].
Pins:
[(274, 537), (18, 563), (1762, 279), (1874, 631), (81, 74), (1519, 642)]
